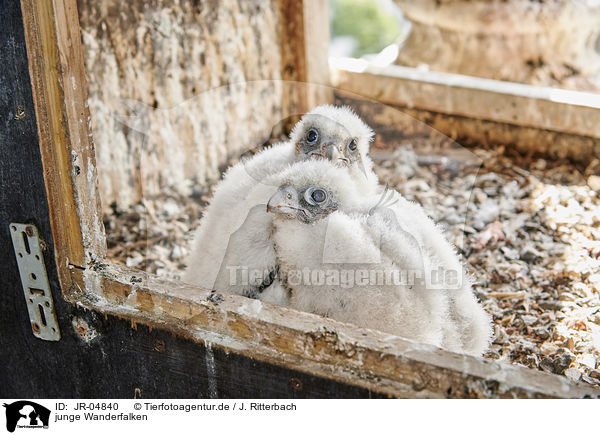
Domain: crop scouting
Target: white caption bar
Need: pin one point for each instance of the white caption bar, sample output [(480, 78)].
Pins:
[(145, 416)]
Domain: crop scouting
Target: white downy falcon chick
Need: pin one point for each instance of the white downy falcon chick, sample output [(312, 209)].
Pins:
[(343, 257), (472, 324), (233, 233)]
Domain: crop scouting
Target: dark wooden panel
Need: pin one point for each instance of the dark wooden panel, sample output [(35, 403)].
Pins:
[(121, 357)]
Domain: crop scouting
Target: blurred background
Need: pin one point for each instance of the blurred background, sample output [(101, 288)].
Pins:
[(365, 27), (548, 42)]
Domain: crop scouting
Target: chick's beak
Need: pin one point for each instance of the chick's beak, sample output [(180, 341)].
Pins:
[(283, 202), (333, 153)]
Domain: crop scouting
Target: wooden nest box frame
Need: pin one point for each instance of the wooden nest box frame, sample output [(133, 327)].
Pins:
[(190, 343)]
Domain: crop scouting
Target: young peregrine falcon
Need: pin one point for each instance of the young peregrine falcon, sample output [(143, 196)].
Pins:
[(346, 257), (235, 229)]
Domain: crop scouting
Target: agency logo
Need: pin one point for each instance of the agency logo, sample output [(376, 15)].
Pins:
[(26, 414)]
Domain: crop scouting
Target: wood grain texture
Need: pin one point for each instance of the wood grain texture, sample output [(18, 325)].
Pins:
[(304, 40), (60, 97), (312, 344), (176, 87), (396, 124), (525, 105), (555, 122)]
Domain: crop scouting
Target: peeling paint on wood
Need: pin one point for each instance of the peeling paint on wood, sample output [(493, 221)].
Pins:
[(65, 142)]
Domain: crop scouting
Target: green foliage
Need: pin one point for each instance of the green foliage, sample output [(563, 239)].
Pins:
[(365, 21)]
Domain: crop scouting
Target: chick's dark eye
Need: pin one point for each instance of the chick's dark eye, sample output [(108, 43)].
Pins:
[(352, 145), (318, 195), (312, 135)]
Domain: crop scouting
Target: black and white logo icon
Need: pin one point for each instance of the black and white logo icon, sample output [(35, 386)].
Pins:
[(26, 414)]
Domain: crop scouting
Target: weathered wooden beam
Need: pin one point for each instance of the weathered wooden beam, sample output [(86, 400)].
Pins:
[(306, 342), (60, 97), (304, 41), (483, 102), (396, 125), (515, 103)]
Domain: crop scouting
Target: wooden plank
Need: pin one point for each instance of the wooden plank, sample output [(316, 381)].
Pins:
[(304, 30), (305, 342), (316, 51), (477, 98), (60, 95), (396, 125)]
